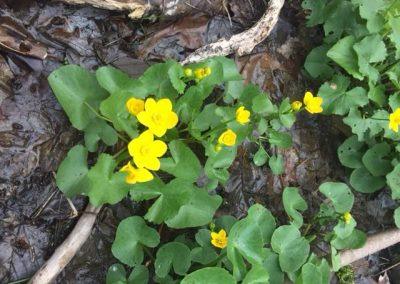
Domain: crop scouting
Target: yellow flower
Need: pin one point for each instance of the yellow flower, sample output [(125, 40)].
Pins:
[(217, 147), (347, 217), (201, 73), (394, 120), (313, 104), (134, 106), (296, 105), (146, 151), (242, 115), (135, 175), (219, 240), (227, 138), (188, 72), (158, 116)]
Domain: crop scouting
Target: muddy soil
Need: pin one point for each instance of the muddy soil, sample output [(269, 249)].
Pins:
[(35, 134)]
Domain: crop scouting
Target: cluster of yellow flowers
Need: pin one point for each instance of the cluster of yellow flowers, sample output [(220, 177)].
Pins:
[(312, 104), (347, 217), (228, 137), (199, 73), (158, 116)]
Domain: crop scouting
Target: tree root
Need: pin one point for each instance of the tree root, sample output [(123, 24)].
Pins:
[(242, 43), (374, 244), (67, 250)]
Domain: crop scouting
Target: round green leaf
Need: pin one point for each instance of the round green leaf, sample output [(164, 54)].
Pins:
[(282, 236), (350, 153), (293, 202), (116, 274), (209, 275), (362, 181), (374, 160), (356, 240), (172, 254), (225, 222), (203, 255), (132, 234), (310, 274), (262, 218), (294, 255), (139, 275), (343, 230), (393, 180), (257, 275), (339, 194), (72, 172), (277, 164), (261, 157)]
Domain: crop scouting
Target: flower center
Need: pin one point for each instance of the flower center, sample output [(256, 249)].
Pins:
[(145, 150), (228, 139), (157, 118)]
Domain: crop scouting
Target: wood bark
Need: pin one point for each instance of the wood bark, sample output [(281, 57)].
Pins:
[(67, 250)]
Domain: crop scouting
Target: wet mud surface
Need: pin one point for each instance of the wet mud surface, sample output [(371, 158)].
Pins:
[(35, 134)]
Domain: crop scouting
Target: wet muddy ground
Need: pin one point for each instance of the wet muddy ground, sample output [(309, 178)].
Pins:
[(35, 134)]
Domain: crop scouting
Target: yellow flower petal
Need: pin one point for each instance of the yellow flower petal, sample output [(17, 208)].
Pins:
[(164, 105), (307, 97), (152, 163), (135, 175), (242, 115), (227, 138), (158, 148), (296, 105), (150, 104), (134, 106), (172, 120)]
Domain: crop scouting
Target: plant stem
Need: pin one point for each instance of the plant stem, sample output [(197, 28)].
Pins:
[(96, 113), (148, 252)]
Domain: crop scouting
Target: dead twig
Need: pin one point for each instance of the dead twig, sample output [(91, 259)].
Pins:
[(373, 244), (242, 43), (67, 250)]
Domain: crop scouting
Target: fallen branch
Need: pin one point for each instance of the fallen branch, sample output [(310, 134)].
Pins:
[(67, 250), (373, 244), (242, 43)]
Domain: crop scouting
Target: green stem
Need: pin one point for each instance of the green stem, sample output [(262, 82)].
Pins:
[(214, 262), (122, 137), (96, 113), (148, 252)]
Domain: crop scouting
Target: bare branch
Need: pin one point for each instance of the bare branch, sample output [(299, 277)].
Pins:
[(67, 250)]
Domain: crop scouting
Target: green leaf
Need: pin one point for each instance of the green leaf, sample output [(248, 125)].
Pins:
[(157, 80), (114, 80), (105, 186), (335, 259), (180, 204), (277, 164), (294, 255), (203, 255), (116, 274), (362, 181), (183, 163), (282, 236), (371, 49), (294, 202), (209, 275), (257, 275), (114, 108), (99, 130), (355, 240), (225, 222), (261, 104), (316, 62), (350, 153), (364, 127), (374, 159), (203, 237), (229, 68), (280, 139), (132, 234), (344, 230), (393, 180), (175, 73), (369, 8), (75, 89), (397, 217), (286, 116), (335, 98), (271, 264), (317, 9), (394, 23), (139, 275), (344, 55), (377, 95), (233, 90), (71, 174), (219, 162), (188, 106), (172, 254), (339, 194), (262, 218), (206, 119), (260, 157)]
